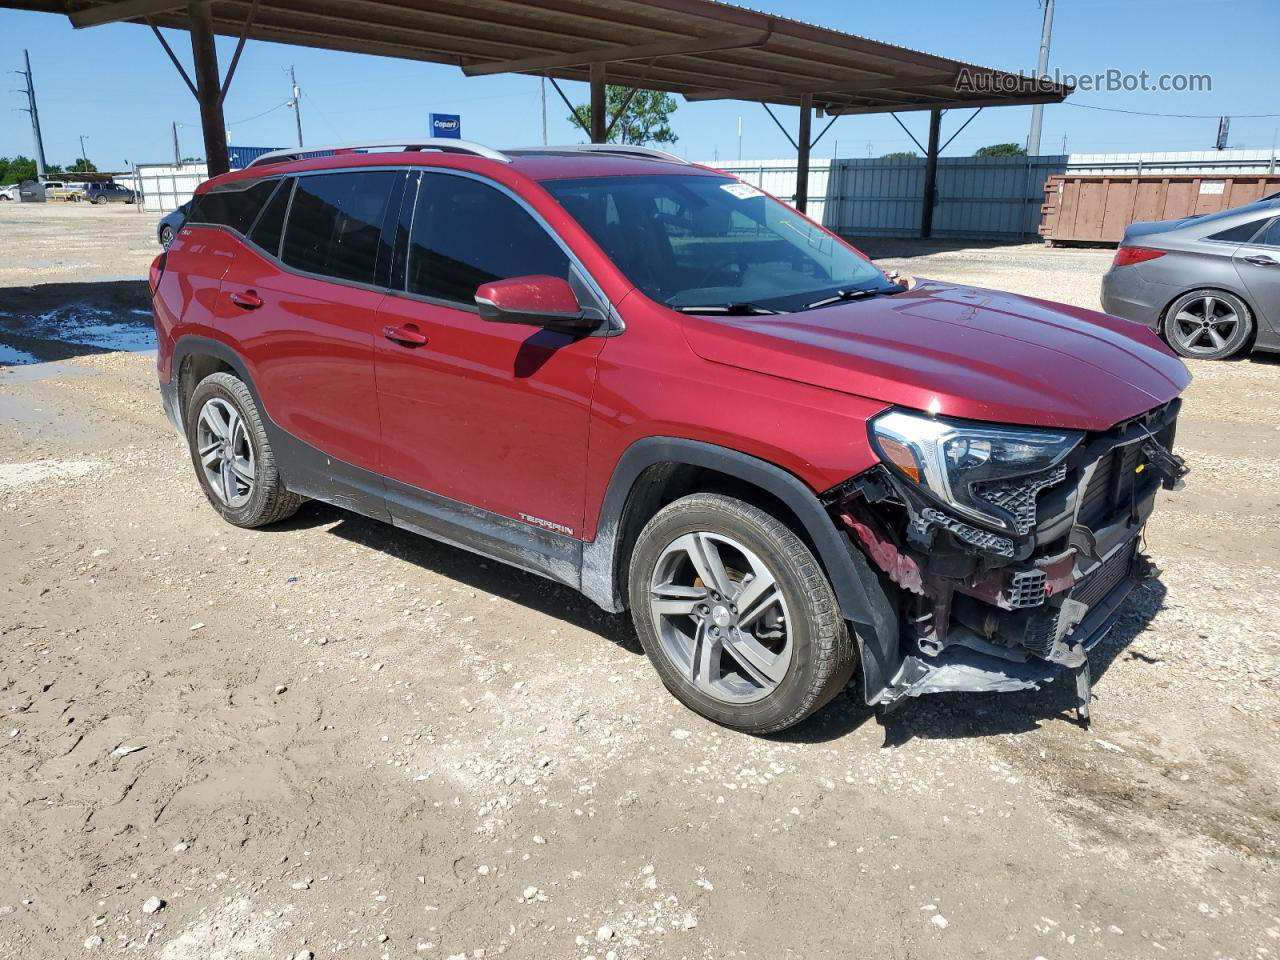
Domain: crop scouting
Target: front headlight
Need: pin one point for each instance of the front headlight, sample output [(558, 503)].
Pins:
[(947, 459)]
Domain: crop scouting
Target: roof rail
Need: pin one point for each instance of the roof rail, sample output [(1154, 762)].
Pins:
[(618, 149), (444, 145)]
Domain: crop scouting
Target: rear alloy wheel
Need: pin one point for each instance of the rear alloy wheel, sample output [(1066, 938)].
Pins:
[(232, 456), (1208, 324), (736, 615)]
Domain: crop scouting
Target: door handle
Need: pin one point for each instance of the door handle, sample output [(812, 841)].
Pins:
[(407, 334), (248, 300), (1261, 260)]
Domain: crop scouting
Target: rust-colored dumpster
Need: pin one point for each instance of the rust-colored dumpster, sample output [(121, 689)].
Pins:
[(1095, 208)]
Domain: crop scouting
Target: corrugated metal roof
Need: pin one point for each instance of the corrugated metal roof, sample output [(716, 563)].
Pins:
[(703, 49)]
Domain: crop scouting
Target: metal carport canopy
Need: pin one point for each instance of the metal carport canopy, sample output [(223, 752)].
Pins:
[(701, 49)]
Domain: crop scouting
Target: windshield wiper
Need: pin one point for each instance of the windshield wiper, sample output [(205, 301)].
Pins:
[(862, 293), (732, 309)]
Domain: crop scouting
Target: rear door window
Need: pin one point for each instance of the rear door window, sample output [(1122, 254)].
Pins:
[(1270, 237), (236, 209), (467, 233), (335, 224)]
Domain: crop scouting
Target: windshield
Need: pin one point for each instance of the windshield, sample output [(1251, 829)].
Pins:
[(700, 241)]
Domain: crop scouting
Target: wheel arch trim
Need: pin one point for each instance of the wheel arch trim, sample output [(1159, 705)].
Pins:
[(862, 598), (188, 345)]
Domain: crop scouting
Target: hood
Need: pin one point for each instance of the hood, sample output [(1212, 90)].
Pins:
[(961, 352)]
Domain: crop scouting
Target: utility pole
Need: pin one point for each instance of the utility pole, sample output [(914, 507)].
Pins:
[(83, 155), (739, 138), (544, 111), (35, 115), (1037, 112), (297, 109), (177, 151)]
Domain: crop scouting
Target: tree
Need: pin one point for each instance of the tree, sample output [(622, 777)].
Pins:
[(901, 155), (1001, 150), (644, 122), (83, 166), (16, 169)]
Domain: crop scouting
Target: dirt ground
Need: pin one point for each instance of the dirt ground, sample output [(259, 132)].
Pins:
[(338, 739)]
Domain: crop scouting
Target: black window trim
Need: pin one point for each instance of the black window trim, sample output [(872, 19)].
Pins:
[(612, 325), (286, 183)]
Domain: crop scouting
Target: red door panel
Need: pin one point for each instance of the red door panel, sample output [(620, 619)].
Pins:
[(309, 346), (490, 414), (188, 290)]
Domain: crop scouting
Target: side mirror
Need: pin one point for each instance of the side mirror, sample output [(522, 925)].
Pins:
[(539, 300)]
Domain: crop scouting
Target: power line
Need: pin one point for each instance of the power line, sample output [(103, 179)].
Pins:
[(1175, 116), (278, 106)]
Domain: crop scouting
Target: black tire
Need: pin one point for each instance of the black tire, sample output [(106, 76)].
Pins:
[(823, 655), (166, 236), (269, 501), (1178, 327), (98, 201)]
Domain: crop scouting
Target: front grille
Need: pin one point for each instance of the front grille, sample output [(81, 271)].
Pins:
[(1116, 485), (1104, 579), (1026, 589)]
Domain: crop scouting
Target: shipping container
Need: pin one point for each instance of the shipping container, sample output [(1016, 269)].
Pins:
[(1097, 208)]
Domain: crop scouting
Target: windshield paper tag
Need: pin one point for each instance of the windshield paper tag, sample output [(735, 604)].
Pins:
[(743, 191)]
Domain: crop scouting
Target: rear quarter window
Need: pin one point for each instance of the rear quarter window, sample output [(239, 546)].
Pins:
[(1241, 233), (236, 209)]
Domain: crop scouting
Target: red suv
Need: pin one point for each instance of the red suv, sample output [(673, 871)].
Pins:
[(652, 382)]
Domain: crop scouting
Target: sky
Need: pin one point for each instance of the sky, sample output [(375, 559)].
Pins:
[(115, 86)]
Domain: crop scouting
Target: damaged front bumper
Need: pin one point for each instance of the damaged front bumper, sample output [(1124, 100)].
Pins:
[(987, 612)]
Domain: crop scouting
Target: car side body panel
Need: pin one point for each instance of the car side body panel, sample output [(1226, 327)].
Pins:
[(187, 294), (310, 349), (526, 391), (651, 383)]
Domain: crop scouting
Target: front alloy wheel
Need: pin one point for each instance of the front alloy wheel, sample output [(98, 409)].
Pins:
[(736, 615), (720, 617)]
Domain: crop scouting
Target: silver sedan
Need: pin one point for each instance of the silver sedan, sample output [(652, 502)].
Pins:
[(1210, 285)]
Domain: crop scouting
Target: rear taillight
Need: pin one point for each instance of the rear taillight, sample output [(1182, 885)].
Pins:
[(1128, 255)]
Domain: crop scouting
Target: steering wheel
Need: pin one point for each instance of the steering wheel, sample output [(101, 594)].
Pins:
[(718, 268)]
